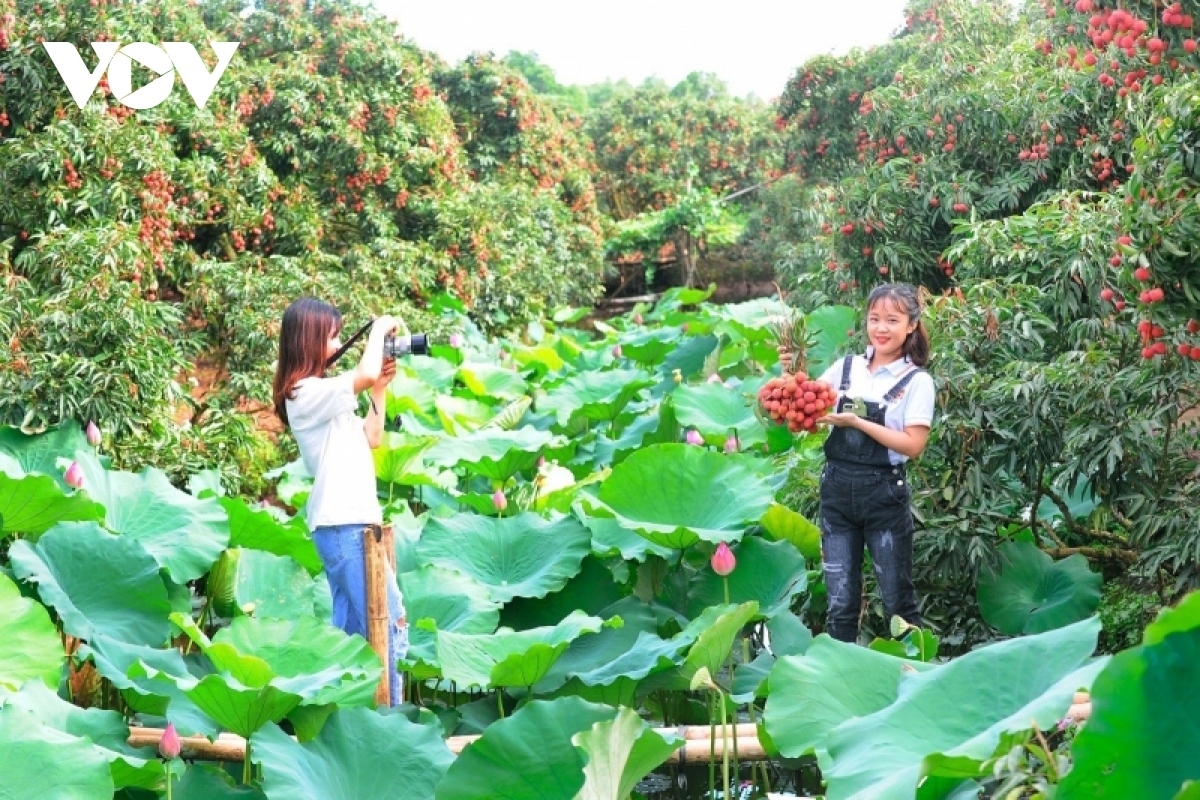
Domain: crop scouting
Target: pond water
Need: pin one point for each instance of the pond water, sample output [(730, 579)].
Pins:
[(691, 782)]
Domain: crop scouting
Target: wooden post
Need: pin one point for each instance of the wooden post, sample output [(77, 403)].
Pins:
[(378, 556)]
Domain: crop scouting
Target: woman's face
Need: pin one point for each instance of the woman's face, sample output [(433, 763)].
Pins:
[(888, 327), (334, 344)]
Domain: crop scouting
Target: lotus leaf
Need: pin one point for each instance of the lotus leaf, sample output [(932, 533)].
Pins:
[(1034, 593), (770, 573)]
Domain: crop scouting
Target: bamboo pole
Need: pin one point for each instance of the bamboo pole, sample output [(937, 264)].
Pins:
[(376, 563), (696, 747)]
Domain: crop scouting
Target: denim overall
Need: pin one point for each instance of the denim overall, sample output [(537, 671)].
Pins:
[(865, 502)]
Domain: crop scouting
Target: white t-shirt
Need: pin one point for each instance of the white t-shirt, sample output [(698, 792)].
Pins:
[(914, 406), (335, 450)]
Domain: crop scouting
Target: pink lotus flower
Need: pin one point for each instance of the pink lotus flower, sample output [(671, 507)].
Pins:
[(714, 378), (723, 561), (731, 444), (74, 475), (617, 351), (499, 501), (456, 340), (637, 319), (169, 744), (694, 437), (93, 434)]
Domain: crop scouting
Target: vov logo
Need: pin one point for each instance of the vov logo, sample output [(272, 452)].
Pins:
[(164, 60)]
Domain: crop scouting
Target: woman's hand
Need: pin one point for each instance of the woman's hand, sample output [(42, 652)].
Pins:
[(386, 324), (844, 419), (385, 376), (785, 358)]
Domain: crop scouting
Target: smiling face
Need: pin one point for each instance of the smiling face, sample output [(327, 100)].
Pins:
[(887, 327)]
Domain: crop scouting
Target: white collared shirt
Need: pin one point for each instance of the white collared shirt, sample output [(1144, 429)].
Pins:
[(915, 406)]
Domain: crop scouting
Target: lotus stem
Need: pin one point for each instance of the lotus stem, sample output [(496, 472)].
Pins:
[(246, 766), (500, 701), (712, 749), (168, 780), (724, 746), (725, 581)]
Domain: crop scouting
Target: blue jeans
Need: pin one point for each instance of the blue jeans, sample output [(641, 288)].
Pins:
[(866, 506), (341, 550)]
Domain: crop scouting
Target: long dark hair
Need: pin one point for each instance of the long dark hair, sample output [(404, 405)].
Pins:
[(307, 325), (905, 298)]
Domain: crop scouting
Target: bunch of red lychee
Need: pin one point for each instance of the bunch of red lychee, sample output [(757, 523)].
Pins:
[(796, 401)]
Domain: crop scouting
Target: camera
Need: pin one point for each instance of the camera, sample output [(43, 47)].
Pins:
[(395, 346)]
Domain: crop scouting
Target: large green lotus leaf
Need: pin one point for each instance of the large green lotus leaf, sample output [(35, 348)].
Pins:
[(398, 457), (594, 395), (267, 585), (1034, 593), (677, 494), (454, 601), (520, 556), (713, 634), (97, 582), (716, 411), (947, 721), (257, 529), (588, 654), (491, 380), (828, 328), (359, 755), (40, 453), (770, 573), (304, 647), (459, 415), (183, 533), (493, 453), (688, 358), (527, 756), (591, 591), (31, 647), (509, 658), (780, 523), (642, 430), (1142, 739), (609, 538), (206, 782), (435, 372), (833, 682), (406, 393), (544, 359), (750, 320), (130, 766), (38, 762), (33, 504), (621, 752), (294, 483), (159, 695), (650, 346), (1181, 618)]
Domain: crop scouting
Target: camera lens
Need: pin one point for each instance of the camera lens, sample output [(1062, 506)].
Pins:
[(420, 344)]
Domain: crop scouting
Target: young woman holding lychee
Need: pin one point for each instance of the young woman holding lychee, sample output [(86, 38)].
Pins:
[(882, 419), (335, 445)]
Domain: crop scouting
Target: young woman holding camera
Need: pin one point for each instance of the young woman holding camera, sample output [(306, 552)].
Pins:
[(335, 445), (864, 491)]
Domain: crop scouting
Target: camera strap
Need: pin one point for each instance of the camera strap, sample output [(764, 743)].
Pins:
[(358, 335)]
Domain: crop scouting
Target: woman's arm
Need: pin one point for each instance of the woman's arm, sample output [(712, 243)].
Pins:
[(367, 373), (909, 442), (373, 426)]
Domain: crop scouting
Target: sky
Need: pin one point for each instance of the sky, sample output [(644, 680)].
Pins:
[(753, 45)]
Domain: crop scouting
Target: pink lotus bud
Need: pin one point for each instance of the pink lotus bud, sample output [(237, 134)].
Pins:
[(168, 745), (541, 462), (694, 437), (93, 434), (683, 328), (637, 319), (74, 476), (617, 351), (714, 378), (731, 445), (723, 561), (456, 340), (499, 501)]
